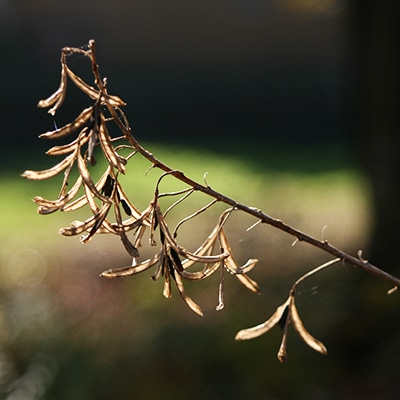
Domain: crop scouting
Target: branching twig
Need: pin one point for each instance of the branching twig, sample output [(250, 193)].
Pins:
[(173, 262)]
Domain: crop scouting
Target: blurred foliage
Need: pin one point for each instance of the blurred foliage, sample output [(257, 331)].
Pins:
[(66, 333)]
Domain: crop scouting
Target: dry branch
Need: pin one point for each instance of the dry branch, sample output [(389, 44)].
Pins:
[(172, 261)]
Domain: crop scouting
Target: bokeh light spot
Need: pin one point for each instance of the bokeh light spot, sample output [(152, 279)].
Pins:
[(27, 268)]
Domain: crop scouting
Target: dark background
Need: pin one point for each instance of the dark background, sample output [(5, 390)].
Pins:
[(240, 77), (208, 73)]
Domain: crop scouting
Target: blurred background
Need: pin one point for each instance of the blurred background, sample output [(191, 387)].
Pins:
[(290, 106)]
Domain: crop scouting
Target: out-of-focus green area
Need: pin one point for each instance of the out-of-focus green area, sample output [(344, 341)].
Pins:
[(67, 333), (278, 101)]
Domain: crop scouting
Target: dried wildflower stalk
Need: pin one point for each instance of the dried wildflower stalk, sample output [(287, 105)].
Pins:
[(114, 213)]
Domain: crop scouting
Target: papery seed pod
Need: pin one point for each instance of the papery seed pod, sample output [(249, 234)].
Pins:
[(188, 300), (114, 101), (256, 331), (51, 172), (249, 283), (99, 220), (167, 292), (129, 247), (176, 259), (131, 270), (109, 152), (57, 98), (170, 265), (78, 123), (304, 334), (67, 148), (88, 180)]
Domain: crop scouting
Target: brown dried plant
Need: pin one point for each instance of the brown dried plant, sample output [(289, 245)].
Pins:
[(114, 213)]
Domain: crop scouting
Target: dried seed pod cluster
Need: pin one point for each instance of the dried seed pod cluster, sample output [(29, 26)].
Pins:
[(89, 131), (114, 213)]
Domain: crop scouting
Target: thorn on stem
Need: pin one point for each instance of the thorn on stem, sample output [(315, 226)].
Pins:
[(359, 253), (392, 290)]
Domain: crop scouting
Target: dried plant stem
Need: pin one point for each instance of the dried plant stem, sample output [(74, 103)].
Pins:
[(324, 245), (113, 104), (172, 261)]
